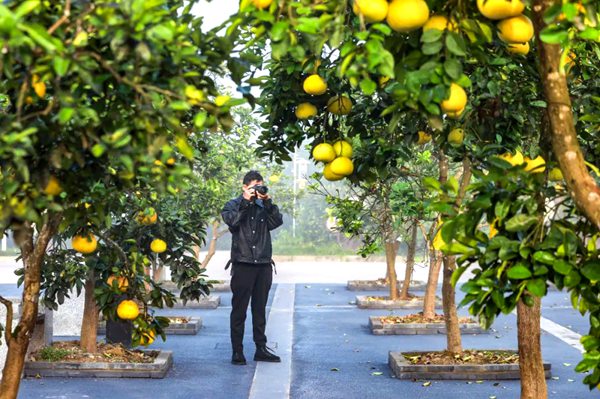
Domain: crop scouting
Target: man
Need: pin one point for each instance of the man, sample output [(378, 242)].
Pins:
[(250, 218)]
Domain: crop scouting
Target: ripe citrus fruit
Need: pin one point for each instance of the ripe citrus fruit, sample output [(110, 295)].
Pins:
[(128, 310), (147, 337), (407, 15), (38, 87), (339, 105), (493, 228), (500, 9), (329, 175), (314, 85), (342, 166), (147, 217), (456, 137), (439, 22), (424, 138), (262, 3), (323, 152), (305, 111), (274, 179), (456, 101), (518, 48), (122, 282), (555, 174), (455, 114), (342, 148), (372, 10), (84, 244), (53, 187), (517, 29), (158, 246), (536, 165), (514, 160)]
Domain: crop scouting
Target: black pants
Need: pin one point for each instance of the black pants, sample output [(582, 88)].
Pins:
[(249, 282)]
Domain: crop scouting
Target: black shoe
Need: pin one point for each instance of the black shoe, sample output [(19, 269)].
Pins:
[(264, 354), (238, 359)]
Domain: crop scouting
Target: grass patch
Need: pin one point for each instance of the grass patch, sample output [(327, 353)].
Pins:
[(52, 354)]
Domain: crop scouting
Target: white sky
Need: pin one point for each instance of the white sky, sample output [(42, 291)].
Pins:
[(215, 12)]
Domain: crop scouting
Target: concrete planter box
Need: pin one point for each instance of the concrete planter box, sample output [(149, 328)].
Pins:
[(404, 370), (157, 369), (416, 303), (379, 328), (205, 302), (378, 285), (190, 328)]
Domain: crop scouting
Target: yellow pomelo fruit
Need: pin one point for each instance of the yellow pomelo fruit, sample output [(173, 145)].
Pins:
[(536, 165), (456, 137), (555, 174), (455, 114), (439, 22), (323, 152), (342, 166), (314, 85), (518, 48), (407, 15), (305, 111), (84, 244), (262, 3), (128, 310), (514, 160), (339, 105), (147, 337), (53, 187), (342, 148), (329, 175), (456, 101), (158, 246), (372, 10), (122, 282), (38, 87), (274, 179), (424, 138), (516, 29), (500, 9)]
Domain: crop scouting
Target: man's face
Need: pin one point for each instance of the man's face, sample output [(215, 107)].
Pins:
[(252, 184)]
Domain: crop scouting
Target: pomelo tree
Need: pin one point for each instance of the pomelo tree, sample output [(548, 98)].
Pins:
[(434, 66), (92, 94)]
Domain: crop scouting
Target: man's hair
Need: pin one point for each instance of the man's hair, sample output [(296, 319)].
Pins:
[(252, 175)]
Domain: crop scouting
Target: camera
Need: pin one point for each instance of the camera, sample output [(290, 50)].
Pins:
[(261, 189)]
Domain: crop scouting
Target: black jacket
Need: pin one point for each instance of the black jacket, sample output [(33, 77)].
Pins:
[(250, 225)]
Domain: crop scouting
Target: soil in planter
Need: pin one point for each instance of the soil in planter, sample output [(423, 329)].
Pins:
[(466, 357), (69, 351), (178, 320), (387, 298), (418, 318)]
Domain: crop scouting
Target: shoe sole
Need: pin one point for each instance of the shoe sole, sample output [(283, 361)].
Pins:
[(239, 363)]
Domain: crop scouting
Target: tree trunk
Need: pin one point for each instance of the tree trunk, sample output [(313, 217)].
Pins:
[(212, 246), (435, 264), (89, 323), (390, 259), (410, 261), (18, 339), (533, 381), (565, 144), (453, 338)]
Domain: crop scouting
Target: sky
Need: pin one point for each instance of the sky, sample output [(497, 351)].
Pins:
[(215, 12)]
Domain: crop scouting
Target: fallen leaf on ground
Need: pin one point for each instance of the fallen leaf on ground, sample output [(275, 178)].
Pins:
[(335, 369), (377, 373), (427, 383)]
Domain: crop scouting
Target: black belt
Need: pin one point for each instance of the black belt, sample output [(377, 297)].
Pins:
[(230, 262)]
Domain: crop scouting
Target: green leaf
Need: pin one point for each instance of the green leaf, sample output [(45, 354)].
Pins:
[(40, 36), (501, 209), (61, 65), (431, 48), (431, 35), (537, 287), (457, 274), (453, 68), (279, 31), (519, 272), (554, 35), (26, 7), (368, 86), (520, 222), (544, 257), (65, 115), (591, 270), (98, 150), (456, 44), (572, 279)]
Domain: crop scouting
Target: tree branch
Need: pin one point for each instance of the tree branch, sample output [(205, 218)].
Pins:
[(122, 255), (565, 143), (9, 319), (62, 19)]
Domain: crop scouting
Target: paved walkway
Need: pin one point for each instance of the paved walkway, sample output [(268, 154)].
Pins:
[(327, 352)]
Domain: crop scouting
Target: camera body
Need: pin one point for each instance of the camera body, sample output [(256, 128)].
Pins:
[(263, 190)]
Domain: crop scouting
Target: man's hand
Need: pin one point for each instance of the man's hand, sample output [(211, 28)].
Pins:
[(263, 196), (249, 193)]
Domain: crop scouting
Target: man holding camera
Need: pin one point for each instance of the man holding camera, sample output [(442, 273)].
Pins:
[(250, 218)]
